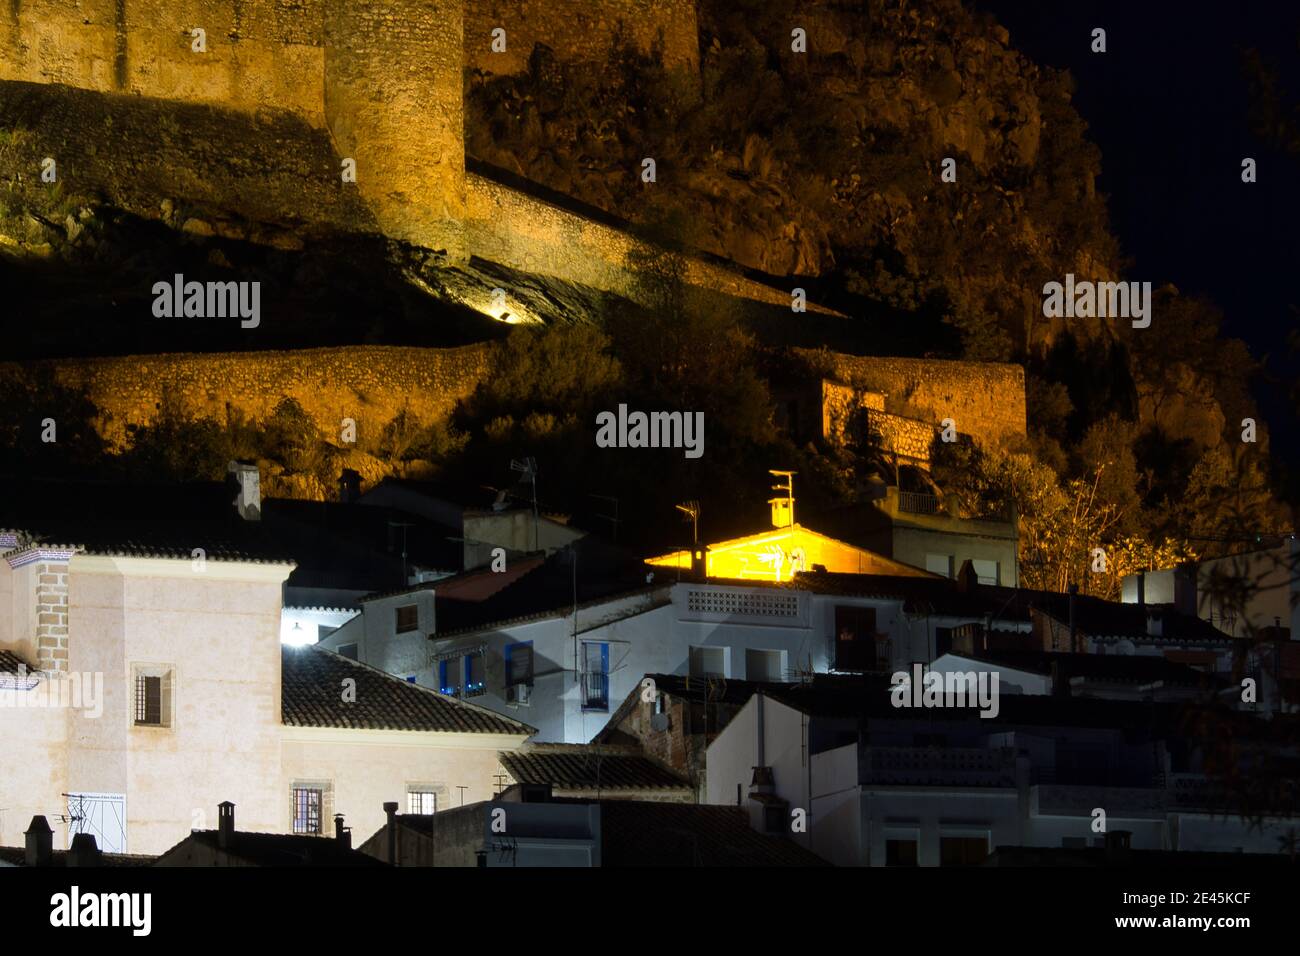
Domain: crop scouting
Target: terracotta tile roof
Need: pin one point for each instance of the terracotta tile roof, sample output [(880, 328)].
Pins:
[(311, 696), (583, 767)]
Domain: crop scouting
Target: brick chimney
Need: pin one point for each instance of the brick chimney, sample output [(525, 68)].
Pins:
[(40, 594), (40, 842), (84, 851), (390, 810), (225, 824), (248, 499), (341, 833)]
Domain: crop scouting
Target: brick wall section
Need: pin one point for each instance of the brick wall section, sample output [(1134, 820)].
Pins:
[(52, 616), (370, 384)]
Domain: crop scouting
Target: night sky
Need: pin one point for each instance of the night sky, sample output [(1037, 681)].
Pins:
[(1167, 105)]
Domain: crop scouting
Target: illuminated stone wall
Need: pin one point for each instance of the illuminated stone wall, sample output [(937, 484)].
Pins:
[(369, 384), (255, 129), (985, 400)]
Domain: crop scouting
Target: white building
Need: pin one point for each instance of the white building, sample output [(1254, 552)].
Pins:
[(944, 789)]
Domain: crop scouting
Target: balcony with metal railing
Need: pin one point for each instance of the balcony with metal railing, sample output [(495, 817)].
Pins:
[(595, 690), (938, 766)]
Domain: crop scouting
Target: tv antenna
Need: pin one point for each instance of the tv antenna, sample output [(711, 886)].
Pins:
[(528, 469), (691, 512)]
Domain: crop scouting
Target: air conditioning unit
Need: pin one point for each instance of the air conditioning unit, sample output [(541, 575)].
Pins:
[(518, 693)]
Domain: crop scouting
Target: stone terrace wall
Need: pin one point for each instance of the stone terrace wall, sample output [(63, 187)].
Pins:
[(578, 30), (984, 399), (526, 232), (369, 384)]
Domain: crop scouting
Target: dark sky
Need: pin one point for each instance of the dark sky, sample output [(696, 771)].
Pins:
[(1167, 105)]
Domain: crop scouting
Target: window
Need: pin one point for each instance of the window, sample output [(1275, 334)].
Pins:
[(939, 564), (422, 800), (985, 571), (307, 806), (595, 675), (153, 696), (474, 679), (855, 638), (763, 665), (348, 650), (447, 677), (963, 850), (408, 618), (708, 662), (519, 664), (148, 699), (900, 853)]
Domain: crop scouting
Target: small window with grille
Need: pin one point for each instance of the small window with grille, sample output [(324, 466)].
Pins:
[(153, 695)]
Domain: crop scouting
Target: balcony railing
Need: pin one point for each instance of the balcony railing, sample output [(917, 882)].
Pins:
[(928, 766), (595, 690), (918, 503)]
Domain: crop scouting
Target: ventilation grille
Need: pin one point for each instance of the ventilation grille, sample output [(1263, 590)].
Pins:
[(749, 604)]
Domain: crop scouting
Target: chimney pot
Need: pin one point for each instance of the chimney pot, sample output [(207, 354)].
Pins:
[(84, 851), (248, 499), (40, 842), (341, 833), (225, 824), (390, 810), (349, 485)]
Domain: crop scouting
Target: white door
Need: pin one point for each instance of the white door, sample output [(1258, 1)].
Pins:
[(102, 815)]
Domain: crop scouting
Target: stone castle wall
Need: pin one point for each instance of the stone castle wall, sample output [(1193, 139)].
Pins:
[(257, 127), (985, 400), (370, 384)]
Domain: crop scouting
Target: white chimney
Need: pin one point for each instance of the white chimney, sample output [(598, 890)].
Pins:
[(249, 499)]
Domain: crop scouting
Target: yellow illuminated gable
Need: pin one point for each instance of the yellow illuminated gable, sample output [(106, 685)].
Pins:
[(776, 555)]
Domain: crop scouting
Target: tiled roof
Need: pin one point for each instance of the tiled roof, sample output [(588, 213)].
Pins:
[(17, 856), (139, 520), (1127, 668), (604, 572), (11, 662), (312, 696), (284, 849), (643, 833), (585, 767)]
